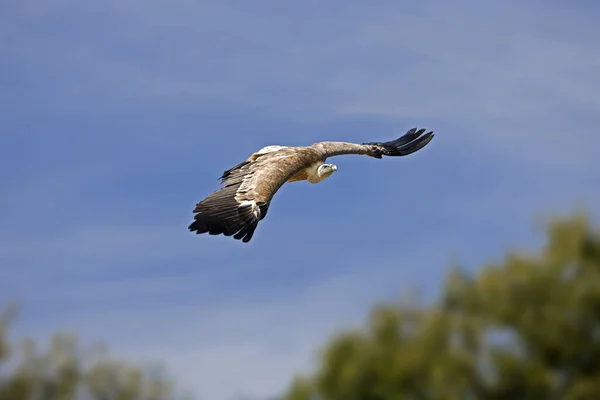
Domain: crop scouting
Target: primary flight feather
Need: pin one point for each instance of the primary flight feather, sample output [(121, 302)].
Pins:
[(248, 188)]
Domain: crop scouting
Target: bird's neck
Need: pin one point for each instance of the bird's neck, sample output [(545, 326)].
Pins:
[(312, 173)]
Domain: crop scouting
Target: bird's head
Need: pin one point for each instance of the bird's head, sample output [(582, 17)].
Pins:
[(325, 170)]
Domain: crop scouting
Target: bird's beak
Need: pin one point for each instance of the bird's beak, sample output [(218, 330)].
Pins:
[(335, 168)]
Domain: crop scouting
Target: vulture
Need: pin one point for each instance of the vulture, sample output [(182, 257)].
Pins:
[(248, 188)]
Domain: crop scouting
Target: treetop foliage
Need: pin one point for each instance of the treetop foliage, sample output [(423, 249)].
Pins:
[(524, 328), (527, 327), (65, 371)]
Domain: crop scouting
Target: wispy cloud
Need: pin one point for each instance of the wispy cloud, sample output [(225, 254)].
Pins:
[(257, 343), (120, 115), (497, 71)]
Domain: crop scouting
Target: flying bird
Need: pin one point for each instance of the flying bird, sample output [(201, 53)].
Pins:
[(248, 188)]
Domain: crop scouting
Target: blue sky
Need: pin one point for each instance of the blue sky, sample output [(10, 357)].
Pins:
[(118, 116)]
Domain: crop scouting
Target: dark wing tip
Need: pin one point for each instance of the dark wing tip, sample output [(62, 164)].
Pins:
[(198, 227), (214, 226), (227, 218), (226, 174), (412, 141)]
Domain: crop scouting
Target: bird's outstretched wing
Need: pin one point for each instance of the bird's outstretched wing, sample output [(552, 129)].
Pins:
[(248, 188), (412, 141)]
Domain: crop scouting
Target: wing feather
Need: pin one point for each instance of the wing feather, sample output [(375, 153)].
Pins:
[(248, 188), (412, 141)]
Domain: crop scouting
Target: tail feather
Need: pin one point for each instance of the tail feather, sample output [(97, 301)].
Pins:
[(408, 143)]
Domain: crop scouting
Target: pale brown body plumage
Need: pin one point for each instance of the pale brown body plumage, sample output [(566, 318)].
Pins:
[(248, 188)]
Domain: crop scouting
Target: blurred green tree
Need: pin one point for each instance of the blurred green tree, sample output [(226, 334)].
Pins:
[(526, 328), (64, 371)]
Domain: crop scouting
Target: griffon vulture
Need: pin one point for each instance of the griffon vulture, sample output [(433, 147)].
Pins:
[(248, 188)]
